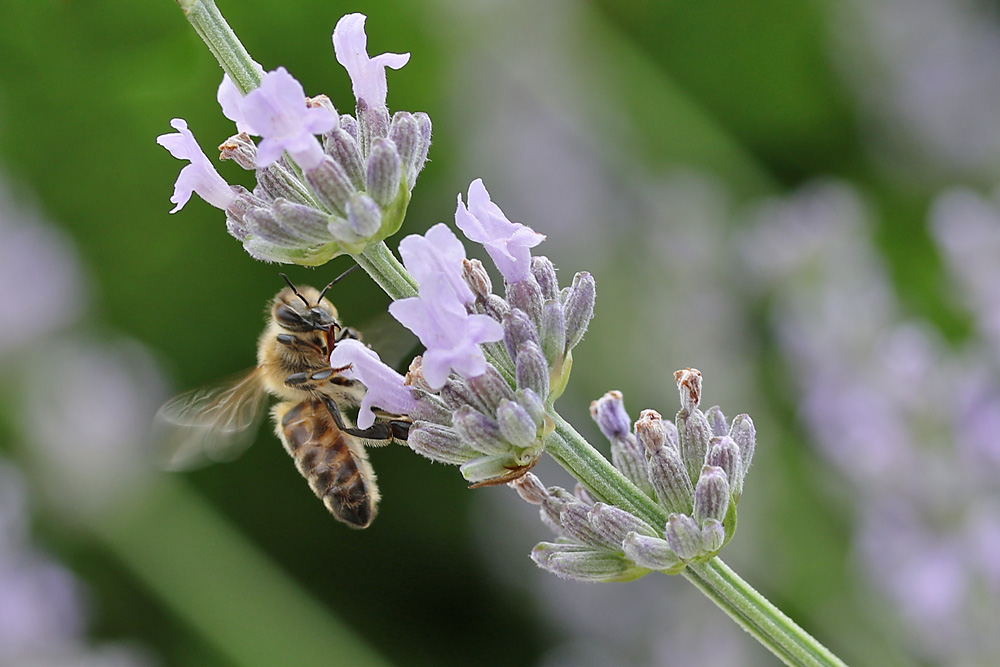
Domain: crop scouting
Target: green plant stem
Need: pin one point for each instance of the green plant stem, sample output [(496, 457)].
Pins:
[(211, 26), (379, 263)]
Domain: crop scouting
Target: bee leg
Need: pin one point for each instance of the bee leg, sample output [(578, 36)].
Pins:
[(295, 342), (393, 429)]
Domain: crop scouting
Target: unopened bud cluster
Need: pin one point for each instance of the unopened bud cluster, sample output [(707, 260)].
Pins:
[(494, 425), (356, 194), (693, 468)]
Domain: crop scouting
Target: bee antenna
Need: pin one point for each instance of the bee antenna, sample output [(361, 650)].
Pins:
[(295, 291), (336, 280)]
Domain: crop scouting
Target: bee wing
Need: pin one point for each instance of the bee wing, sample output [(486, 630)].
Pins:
[(214, 423)]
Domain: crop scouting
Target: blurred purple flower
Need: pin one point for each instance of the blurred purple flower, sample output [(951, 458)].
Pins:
[(200, 176), (386, 388), (508, 243), (437, 253), (277, 111), (367, 74), (450, 334)]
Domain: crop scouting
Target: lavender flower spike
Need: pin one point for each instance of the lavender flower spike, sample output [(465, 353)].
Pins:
[(451, 335), (508, 243), (278, 112), (199, 176), (386, 388), (367, 74)]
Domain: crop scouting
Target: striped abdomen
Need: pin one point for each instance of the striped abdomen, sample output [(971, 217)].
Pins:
[(333, 462)]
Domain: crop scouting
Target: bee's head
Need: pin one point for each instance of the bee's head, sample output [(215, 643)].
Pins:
[(303, 309)]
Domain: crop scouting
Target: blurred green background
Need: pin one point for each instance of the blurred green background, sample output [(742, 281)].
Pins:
[(753, 98)]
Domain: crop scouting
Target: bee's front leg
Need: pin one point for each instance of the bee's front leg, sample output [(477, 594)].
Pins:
[(392, 429)]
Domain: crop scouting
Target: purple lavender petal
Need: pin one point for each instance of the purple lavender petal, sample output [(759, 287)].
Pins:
[(278, 112), (451, 335), (508, 243), (437, 253), (367, 74), (231, 100), (198, 177), (386, 388)]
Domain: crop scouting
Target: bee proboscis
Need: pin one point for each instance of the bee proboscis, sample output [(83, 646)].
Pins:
[(293, 365)]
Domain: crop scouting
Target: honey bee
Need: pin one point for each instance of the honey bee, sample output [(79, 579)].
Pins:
[(293, 365)]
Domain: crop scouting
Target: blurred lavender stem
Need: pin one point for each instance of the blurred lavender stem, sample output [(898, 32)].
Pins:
[(742, 603), (219, 583)]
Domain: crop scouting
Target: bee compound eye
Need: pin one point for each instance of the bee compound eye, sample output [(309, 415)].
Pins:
[(287, 316)]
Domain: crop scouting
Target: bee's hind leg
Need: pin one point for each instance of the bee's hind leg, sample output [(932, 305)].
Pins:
[(392, 429)]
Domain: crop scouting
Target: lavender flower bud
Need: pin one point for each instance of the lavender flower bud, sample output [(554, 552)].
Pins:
[(578, 305), (684, 536), (383, 174), (609, 413), (614, 524), (527, 296), (373, 123), (530, 488), (544, 273), (745, 435), (275, 181), (432, 409), (350, 125), (343, 149), (476, 277), (724, 453), (570, 561), (241, 150), (423, 145), (553, 504), (717, 421), (651, 431), (404, 132), (479, 431), (532, 371), (552, 330), (305, 222), (669, 479), (456, 392), (517, 330), (260, 223), (711, 495), (439, 443), (649, 552), (363, 215), (689, 385), (495, 307), (490, 390), (713, 536), (331, 185), (694, 433), (516, 425), (575, 520), (532, 404)]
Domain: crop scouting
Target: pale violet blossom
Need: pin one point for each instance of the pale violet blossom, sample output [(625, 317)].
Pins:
[(508, 243), (198, 177), (386, 388), (450, 334), (231, 99), (437, 253), (277, 112), (367, 74)]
